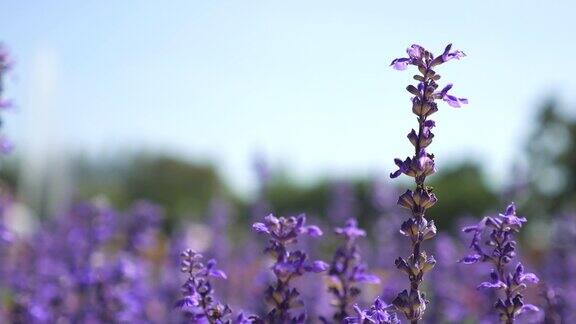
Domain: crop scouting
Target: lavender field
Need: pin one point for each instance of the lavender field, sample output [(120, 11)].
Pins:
[(471, 217)]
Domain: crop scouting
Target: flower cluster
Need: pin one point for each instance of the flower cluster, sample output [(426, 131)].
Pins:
[(376, 314), (347, 270), (288, 265), (198, 300), (499, 249), (413, 303), (5, 66)]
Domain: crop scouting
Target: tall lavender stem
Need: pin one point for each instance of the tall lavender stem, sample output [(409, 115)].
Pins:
[(413, 303)]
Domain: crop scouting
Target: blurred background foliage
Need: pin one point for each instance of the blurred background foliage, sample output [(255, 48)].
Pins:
[(543, 183)]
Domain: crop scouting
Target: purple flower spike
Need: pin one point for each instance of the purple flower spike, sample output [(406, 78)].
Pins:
[(420, 166)]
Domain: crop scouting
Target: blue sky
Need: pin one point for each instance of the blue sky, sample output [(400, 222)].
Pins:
[(304, 83)]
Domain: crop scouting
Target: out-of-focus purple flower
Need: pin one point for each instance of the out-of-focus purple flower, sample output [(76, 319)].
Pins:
[(376, 314), (350, 231), (342, 201), (499, 249), (286, 230), (5, 64), (198, 301), (5, 104), (288, 265), (347, 270)]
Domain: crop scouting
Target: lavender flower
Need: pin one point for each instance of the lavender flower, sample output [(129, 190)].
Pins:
[(347, 270), (288, 265), (413, 303), (376, 314), (198, 300), (499, 250)]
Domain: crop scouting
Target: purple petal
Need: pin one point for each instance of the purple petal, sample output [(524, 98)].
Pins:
[(317, 266), (400, 63), (218, 274), (313, 231), (260, 228), (491, 285), (529, 277), (529, 307), (470, 259)]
